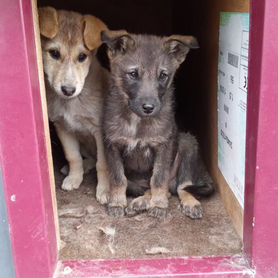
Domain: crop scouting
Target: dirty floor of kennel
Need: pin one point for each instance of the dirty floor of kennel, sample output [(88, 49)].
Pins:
[(87, 232)]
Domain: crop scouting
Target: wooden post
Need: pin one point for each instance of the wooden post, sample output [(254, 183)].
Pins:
[(23, 145)]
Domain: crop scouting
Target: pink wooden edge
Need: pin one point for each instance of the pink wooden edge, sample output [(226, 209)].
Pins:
[(23, 155), (235, 266), (261, 195), (23, 159)]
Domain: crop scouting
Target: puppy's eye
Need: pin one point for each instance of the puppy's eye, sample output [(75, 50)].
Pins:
[(163, 76), (55, 54), (82, 57), (133, 74)]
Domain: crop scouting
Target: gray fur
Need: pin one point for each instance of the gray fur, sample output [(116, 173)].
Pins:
[(146, 146)]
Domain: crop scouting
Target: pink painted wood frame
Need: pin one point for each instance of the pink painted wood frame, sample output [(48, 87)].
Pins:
[(27, 187), (261, 195), (23, 157), (222, 267)]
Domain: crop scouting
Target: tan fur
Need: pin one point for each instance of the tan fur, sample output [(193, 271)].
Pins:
[(159, 197), (48, 21), (118, 197), (139, 204), (188, 200), (101, 167), (71, 31), (92, 31), (189, 204), (71, 149), (142, 203), (77, 118)]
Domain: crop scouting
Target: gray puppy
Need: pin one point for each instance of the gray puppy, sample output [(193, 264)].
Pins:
[(144, 150)]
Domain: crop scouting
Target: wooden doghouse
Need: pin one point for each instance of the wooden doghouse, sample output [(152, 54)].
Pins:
[(29, 232)]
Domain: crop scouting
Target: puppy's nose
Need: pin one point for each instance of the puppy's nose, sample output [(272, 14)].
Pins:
[(67, 90), (148, 108)]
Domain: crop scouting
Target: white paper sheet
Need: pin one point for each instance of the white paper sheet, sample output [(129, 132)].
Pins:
[(232, 99)]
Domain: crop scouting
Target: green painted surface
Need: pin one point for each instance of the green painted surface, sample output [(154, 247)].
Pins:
[(6, 258)]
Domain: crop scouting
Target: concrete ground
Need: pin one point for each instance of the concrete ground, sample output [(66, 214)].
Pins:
[(87, 232)]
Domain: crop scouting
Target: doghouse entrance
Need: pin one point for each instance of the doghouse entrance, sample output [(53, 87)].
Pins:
[(86, 231)]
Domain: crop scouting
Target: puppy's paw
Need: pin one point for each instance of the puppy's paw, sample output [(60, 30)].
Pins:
[(102, 194), (158, 205), (72, 182), (157, 212), (130, 212), (138, 205), (194, 211), (117, 203), (116, 211)]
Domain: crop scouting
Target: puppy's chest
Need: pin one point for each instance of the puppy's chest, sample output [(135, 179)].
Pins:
[(75, 119), (136, 136), (80, 123)]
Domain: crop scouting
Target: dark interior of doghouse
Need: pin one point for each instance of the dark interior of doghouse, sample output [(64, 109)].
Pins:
[(87, 232)]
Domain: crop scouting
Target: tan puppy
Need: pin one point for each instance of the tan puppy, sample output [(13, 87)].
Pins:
[(75, 88)]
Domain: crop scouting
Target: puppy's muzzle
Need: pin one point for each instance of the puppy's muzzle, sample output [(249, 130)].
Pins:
[(68, 91), (145, 106)]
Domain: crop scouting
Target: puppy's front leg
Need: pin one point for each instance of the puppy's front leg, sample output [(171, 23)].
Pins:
[(118, 181), (103, 186), (72, 153), (190, 206), (160, 182)]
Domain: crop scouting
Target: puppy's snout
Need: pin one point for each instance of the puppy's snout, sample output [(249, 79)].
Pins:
[(145, 106), (68, 91), (148, 108)]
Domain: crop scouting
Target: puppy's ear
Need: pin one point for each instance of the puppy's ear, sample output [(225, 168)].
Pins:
[(48, 20), (117, 42), (178, 46), (93, 27)]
